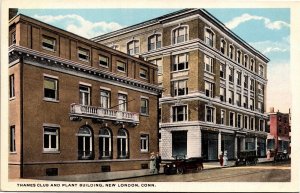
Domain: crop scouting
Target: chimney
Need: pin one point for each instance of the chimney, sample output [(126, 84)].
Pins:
[(271, 109)]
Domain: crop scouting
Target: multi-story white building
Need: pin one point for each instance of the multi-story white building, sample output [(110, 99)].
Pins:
[(214, 83)]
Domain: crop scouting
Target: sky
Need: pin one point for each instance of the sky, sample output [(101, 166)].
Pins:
[(266, 29)]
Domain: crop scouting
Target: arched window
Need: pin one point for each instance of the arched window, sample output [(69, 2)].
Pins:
[(261, 70), (231, 52), (105, 143), (223, 46), (238, 56), (133, 47), (85, 143), (180, 34), (246, 61), (154, 42), (252, 65), (122, 143), (209, 37)]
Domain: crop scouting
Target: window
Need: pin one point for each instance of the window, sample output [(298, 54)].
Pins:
[(180, 35), (50, 88), (239, 121), (223, 46), (179, 113), (230, 100), (246, 122), (13, 38), (158, 62), (231, 52), (133, 47), (231, 118), (48, 43), (85, 143), (50, 139), (209, 37), (103, 61), (261, 70), (252, 84), (238, 57), (84, 95), (210, 114), (12, 139), (252, 104), (180, 62), (230, 74), (261, 125), (122, 98), (245, 102), (260, 89), (105, 99), (209, 89), (179, 88), (260, 107), (223, 117), (144, 106), (209, 65), (144, 143), (222, 94), (83, 54), (252, 64), (246, 82), (238, 99), (121, 66), (122, 143), (11, 86), (222, 71), (154, 42), (238, 78), (159, 114), (246, 61), (105, 143), (143, 73), (252, 123)]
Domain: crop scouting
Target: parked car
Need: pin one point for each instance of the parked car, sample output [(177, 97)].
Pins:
[(181, 165), (247, 157)]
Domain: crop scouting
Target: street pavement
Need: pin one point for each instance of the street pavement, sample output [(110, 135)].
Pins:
[(267, 172)]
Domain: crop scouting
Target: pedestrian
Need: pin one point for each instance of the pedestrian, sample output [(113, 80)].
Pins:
[(268, 154), (221, 158), (225, 158), (158, 161), (152, 163)]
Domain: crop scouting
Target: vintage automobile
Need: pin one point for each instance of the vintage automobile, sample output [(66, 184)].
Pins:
[(181, 165), (247, 157)]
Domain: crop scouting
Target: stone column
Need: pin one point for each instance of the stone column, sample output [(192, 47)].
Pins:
[(255, 145), (235, 146), (219, 143)]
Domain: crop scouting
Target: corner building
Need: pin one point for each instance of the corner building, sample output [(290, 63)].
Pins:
[(214, 83), (76, 106)]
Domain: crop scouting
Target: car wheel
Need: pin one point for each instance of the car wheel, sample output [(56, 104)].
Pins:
[(180, 170), (199, 168)]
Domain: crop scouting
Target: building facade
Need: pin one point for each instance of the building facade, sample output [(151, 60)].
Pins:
[(76, 106), (279, 138), (214, 83)]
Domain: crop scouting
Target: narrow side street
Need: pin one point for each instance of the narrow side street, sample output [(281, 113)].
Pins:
[(269, 172)]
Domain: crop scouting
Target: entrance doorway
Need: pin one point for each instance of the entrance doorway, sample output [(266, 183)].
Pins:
[(179, 143)]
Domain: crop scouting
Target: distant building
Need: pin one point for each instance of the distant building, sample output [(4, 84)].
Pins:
[(76, 106), (214, 83), (279, 138)]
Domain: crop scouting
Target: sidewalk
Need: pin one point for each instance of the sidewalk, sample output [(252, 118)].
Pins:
[(109, 176)]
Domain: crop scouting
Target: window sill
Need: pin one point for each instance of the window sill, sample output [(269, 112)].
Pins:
[(83, 60), (145, 115), (143, 78), (222, 78), (180, 70), (12, 98), (211, 73), (103, 66), (13, 153), (51, 152), (51, 100), (145, 152), (121, 71), (48, 49)]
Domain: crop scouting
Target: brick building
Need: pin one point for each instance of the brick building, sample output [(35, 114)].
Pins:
[(279, 137), (76, 106), (214, 83)]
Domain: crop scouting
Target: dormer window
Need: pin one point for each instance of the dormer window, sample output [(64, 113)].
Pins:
[(154, 42), (48, 43), (209, 37), (180, 34), (133, 47)]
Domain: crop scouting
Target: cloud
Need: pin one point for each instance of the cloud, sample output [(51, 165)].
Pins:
[(279, 93), (78, 25), (267, 47), (272, 25)]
